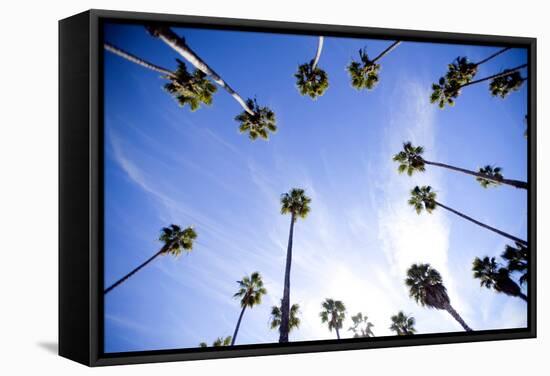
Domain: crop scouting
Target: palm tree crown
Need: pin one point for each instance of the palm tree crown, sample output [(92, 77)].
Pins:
[(410, 159), (492, 275), (423, 198), (293, 322), (251, 290), (426, 286), (177, 240), (219, 342), (403, 324), (259, 124), (461, 70), (504, 85), (333, 313), (190, 89), (491, 172), (311, 81), (518, 260), (296, 203), (363, 73), (361, 327)]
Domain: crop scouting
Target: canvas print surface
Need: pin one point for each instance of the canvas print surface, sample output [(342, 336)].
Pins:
[(270, 188)]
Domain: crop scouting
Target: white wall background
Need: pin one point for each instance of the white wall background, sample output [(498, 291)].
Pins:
[(28, 184)]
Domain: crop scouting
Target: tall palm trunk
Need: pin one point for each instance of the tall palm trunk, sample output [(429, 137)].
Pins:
[(178, 44), (386, 51), (285, 304), (162, 250), (492, 56), (511, 182), (137, 60), (237, 327), (501, 74), (449, 308), (318, 54), (506, 235), (337, 332)]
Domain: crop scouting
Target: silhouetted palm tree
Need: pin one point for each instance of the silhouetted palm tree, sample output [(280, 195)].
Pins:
[(310, 79), (402, 324), (176, 240), (333, 313), (492, 275), (188, 88), (255, 119), (295, 203), (361, 327), (518, 261), (251, 290), (293, 322), (219, 342), (427, 289), (410, 160), (364, 73), (424, 198)]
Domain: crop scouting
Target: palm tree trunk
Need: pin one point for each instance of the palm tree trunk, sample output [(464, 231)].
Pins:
[(318, 54), (237, 327), (387, 51), (492, 56), (511, 182), (523, 296), (134, 59), (178, 44), (501, 74), (457, 317), (337, 332), (506, 235), (285, 303), (162, 250)]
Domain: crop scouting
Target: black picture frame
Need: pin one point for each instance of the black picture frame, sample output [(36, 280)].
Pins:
[(81, 184)]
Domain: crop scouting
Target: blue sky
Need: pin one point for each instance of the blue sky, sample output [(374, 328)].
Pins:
[(165, 164)]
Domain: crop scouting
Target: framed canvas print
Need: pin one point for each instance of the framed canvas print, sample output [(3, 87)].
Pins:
[(236, 187)]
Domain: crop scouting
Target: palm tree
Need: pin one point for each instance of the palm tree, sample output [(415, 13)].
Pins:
[(504, 85), (179, 45), (402, 324), (358, 330), (410, 160), (251, 290), (492, 275), (259, 124), (310, 79), (364, 73), (276, 315), (188, 88), (518, 260), (460, 74), (192, 89), (492, 177), (333, 313), (176, 241), (461, 71), (424, 198), (295, 203), (427, 289), (219, 342)]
